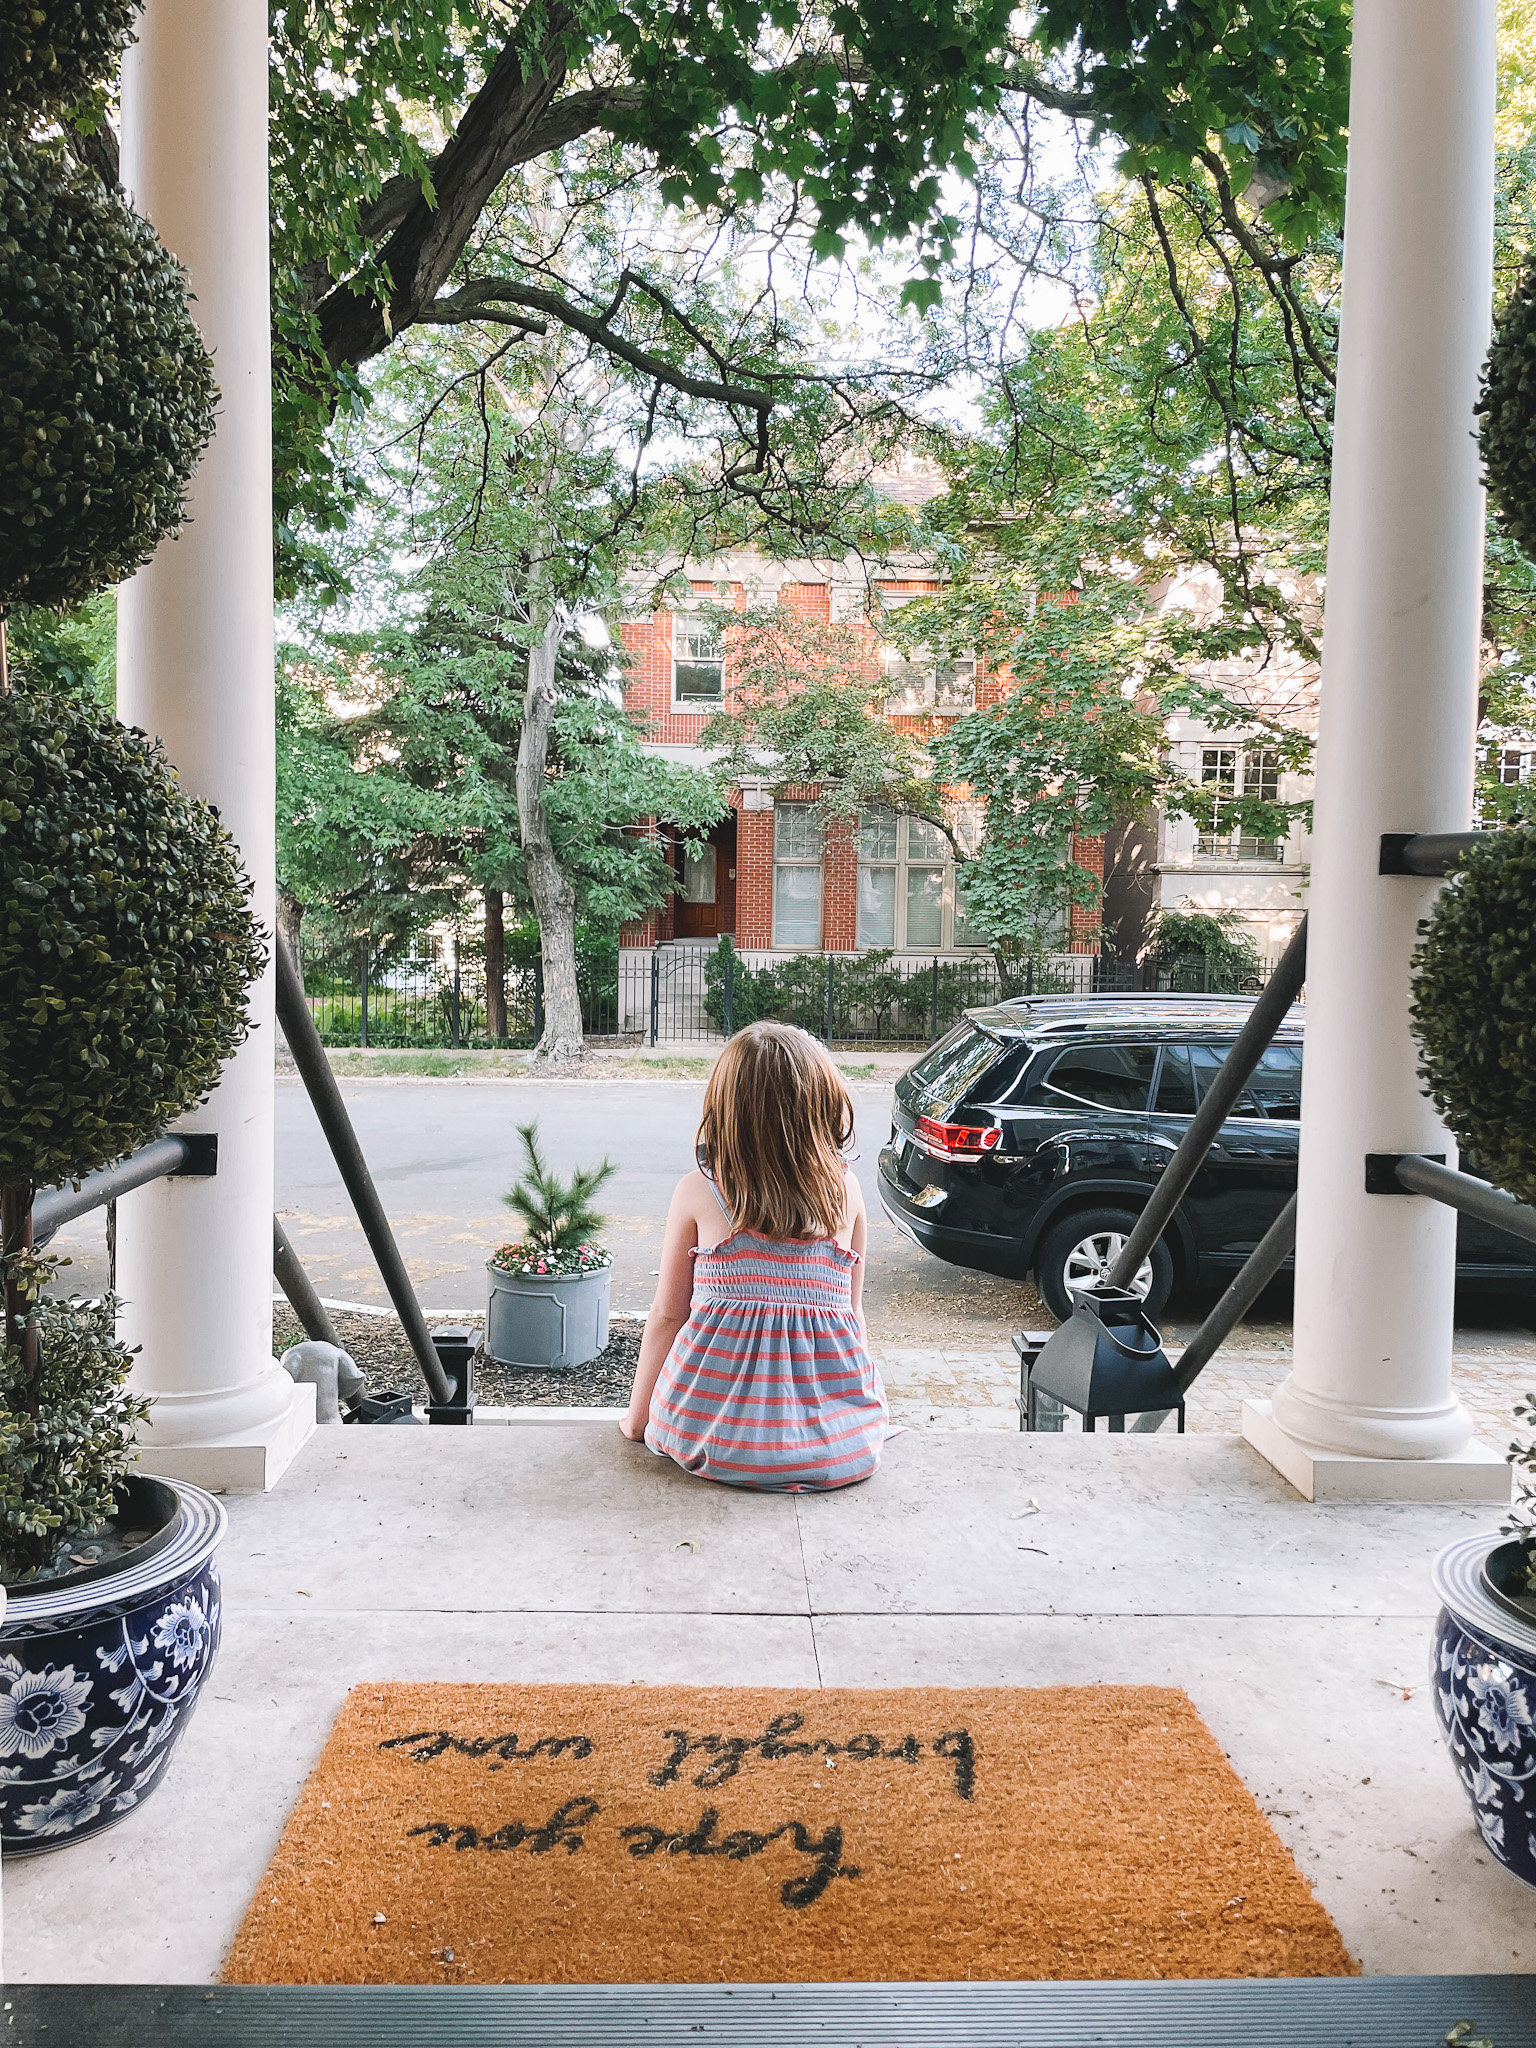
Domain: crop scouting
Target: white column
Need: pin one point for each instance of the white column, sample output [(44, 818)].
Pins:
[(195, 669), (1368, 1410)]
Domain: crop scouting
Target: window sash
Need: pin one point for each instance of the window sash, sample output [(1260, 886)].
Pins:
[(908, 890), (1245, 771), (796, 876), (917, 685), (698, 662)]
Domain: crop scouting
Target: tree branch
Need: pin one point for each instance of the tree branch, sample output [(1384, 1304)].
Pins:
[(96, 152), (475, 301)]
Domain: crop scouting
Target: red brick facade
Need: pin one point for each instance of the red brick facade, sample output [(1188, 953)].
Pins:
[(745, 858)]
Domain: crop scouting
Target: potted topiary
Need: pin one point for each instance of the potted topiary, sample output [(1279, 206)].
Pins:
[(1474, 1013), (549, 1292), (1483, 1670), (125, 954)]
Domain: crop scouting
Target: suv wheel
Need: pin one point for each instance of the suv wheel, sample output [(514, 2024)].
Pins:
[(1079, 1252)]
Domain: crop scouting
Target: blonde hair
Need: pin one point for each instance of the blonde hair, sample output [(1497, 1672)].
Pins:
[(776, 1118)]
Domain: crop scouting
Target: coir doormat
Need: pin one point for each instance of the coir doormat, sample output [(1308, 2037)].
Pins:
[(622, 1834)]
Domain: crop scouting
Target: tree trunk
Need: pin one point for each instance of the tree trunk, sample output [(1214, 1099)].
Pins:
[(495, 965), (554, 899), (290, 919)]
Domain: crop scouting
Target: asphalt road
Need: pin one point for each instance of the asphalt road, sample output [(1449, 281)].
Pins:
[(442, 1153)]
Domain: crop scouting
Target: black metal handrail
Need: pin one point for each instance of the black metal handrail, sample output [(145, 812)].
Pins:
[(178, 1155), (1420, 1173), (1269, 1012), (1427, 854), (300, 1290), (172, 1157), (309, 1057)]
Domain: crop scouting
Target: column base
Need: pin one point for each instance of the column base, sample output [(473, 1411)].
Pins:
[(244, 1461), (1472, 1473)]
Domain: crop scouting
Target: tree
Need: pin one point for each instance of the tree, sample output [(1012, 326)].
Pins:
[(808, 704), (406, 755), (401, 131)]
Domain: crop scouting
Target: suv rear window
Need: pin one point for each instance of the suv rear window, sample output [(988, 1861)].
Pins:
[(955, 1065), (1101, 1076), (1274, 1091)]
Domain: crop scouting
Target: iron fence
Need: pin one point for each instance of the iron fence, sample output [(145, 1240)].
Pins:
[(435, 996), (690, 993)]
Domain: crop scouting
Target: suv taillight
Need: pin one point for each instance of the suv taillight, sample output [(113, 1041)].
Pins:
[(957, 1141)]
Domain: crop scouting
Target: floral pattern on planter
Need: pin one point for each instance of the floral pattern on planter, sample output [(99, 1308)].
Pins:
[(1483, 1677), (96, 1689)]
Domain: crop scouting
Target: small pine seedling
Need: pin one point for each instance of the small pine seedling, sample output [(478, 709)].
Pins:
[(558, 1214)]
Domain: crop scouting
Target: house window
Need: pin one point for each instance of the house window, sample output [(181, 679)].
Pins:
[(698, 664), (1228, 772), (796, 876), (908, 895), (919, 687), (1515, 765)]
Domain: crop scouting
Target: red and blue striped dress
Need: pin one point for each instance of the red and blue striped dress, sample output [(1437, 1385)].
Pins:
[(768, 1384)]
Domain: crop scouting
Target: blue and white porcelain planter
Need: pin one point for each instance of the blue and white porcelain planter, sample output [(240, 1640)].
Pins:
[(1483, 1674), (99, 1675)]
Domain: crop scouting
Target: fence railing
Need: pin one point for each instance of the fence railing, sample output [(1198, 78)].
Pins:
[(437, 997), (687, 993)]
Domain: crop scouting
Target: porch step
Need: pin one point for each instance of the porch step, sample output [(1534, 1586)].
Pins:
[(1370, 2012)]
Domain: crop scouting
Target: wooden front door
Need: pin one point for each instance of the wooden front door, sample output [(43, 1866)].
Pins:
[(698, 906), (706, 905)]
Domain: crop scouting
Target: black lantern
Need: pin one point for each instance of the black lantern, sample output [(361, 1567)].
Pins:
[(1106, 1359)]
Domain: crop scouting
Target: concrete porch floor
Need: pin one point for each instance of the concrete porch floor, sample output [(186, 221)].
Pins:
[(567, 1554)]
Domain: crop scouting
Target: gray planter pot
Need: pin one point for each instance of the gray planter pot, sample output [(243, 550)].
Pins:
[(547, 1322)]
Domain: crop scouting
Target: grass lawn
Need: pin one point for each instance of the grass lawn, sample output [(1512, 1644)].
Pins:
[(355, 1063)]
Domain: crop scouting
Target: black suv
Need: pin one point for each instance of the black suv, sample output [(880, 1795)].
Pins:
[(1029, 1139)]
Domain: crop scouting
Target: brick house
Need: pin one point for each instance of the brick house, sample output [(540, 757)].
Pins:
[(768, 875), (778, 885)]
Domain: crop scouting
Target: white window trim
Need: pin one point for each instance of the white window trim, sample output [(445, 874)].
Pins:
[(1225, 855), (798, 861), (902, 864), (697, 707), (921, 659)]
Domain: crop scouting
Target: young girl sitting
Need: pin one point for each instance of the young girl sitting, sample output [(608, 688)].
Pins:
[(754, 1368)]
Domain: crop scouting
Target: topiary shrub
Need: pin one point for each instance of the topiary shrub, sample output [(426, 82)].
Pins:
[(126, 948), (1474, 1008), (53, 54), (1507, 408), (106, 390), (66, 1436)]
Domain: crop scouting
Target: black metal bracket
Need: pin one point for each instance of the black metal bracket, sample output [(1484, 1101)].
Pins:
[(455, 1348), (1381, 1170), (1426, 854), (202, 1155)]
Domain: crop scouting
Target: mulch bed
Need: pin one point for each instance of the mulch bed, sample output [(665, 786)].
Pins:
[(378, 1345), (612, 1834)]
